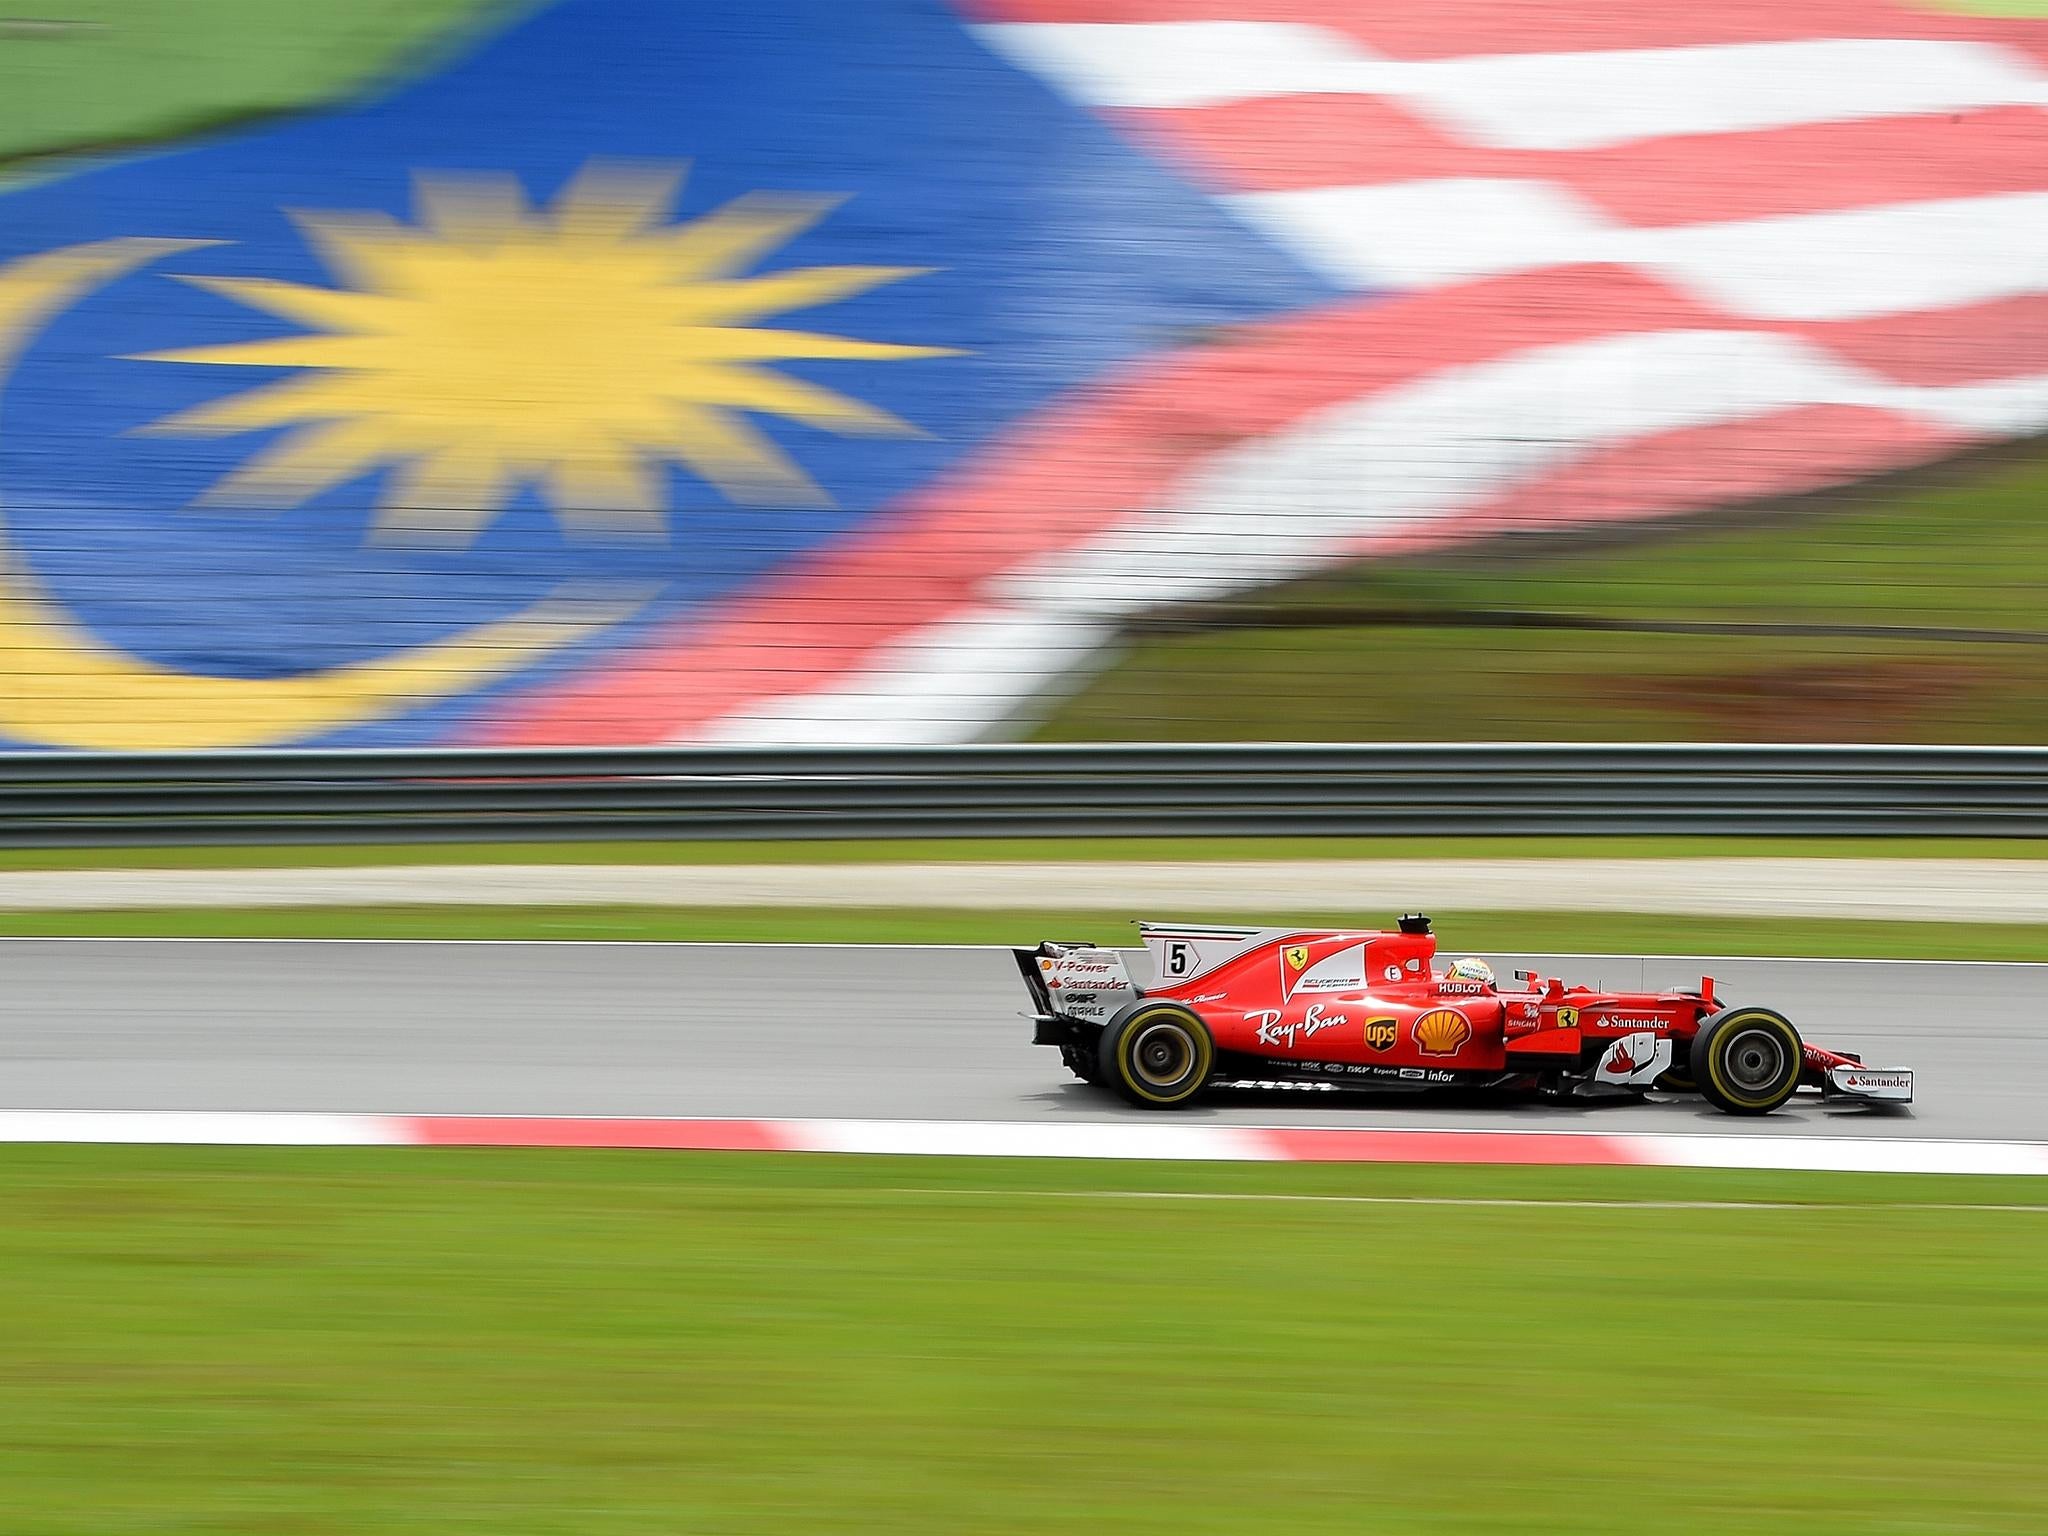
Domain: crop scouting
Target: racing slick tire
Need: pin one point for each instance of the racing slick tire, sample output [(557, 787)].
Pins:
[(1158, 1055), (1747, 1061)]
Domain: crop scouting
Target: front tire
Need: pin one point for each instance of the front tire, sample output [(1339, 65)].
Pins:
[(1747, 1061), (1157, 1055)]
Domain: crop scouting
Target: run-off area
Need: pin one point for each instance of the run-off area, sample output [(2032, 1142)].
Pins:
[(394, 1339)]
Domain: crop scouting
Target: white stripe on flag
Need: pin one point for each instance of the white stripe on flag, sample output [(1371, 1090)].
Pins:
[(1854, 263), (1189, 63), (950, 681), (1842, 265), (1555, 101), (1425, 234), (1591, 100)]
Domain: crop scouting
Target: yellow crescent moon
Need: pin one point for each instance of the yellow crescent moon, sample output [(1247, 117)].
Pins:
[(62, 687)]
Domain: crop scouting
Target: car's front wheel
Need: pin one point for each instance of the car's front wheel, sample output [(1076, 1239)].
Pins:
[(1157, 1055), (1747, 1060)]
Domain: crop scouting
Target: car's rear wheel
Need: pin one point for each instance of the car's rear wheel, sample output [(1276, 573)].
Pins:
[(1747, 1060), (1158, 1055)]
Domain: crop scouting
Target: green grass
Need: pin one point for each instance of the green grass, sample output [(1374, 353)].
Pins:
[(960, 850), (93, 74), (1493, 932), (1967, 554), (222, 1343), (2028, 9)]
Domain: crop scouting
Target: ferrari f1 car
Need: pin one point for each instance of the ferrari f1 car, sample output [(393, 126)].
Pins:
[(1369, 1009)]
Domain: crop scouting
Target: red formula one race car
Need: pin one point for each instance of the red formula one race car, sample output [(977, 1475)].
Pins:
[(1368, 1009)]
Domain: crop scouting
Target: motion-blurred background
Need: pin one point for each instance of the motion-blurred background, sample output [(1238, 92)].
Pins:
[(901, 373), (625, 372)]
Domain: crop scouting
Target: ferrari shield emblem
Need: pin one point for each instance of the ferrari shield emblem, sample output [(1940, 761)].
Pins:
[(1380, 1033), (1567, 1018), (1297, 956)]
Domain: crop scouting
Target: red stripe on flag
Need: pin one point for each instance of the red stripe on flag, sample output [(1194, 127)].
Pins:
[(565, 1131), (1349, 1146), (1432, 29), (1694, 469), (1285, 143), (2004, 339)]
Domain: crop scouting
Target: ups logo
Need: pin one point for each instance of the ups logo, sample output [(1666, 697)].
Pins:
[(1380, 1033)]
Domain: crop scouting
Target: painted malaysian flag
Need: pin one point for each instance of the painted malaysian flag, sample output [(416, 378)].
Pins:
[(1606, 261), (801, 370)]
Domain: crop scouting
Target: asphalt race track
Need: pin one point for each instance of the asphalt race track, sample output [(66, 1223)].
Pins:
[(853, 1032)]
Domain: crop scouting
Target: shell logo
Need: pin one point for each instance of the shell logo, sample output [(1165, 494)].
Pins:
[(1441, 1031)]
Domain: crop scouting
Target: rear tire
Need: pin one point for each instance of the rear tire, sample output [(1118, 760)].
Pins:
[(1747, 1061), (1158, 1055)]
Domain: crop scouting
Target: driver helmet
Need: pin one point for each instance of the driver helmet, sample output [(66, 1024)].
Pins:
[(1470, 970)]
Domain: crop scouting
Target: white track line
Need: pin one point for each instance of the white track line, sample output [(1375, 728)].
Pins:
[(1277, 1197), (1140, 1141), (208, 1128)]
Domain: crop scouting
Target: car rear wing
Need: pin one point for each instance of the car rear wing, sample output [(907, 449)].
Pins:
[(1077, 982)]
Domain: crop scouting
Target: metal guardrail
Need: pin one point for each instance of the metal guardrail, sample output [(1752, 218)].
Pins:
[(981, 791)]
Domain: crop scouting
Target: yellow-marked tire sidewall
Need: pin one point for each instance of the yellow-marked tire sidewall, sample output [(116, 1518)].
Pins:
[(1117, 1042), (1707, 1066)]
